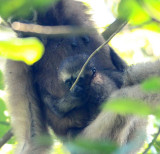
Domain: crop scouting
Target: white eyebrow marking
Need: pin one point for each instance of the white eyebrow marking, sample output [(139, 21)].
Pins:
[(64, 76)]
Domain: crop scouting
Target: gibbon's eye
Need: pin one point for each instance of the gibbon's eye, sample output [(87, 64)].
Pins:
[(93, 71)]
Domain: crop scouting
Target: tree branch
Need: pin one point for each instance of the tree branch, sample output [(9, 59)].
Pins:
[(52, 31), (151, 144), (6, 137)]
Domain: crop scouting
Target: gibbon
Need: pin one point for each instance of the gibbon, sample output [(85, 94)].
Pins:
[(39, 95)]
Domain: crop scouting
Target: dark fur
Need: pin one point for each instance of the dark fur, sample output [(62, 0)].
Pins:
[(75, 109)]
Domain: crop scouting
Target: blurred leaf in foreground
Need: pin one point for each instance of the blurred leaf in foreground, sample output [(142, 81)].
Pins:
[(4, 125), (1, 81), (131, 106), (151, 84), (91, 147), (152, 7), (127, 106), (21, 8), (144, 13), (43, 140), (28, 50), (132, 11)]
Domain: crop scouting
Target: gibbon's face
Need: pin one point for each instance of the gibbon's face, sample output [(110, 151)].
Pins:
[(70, 69)]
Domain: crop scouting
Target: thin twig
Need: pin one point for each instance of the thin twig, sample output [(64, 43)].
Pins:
[(6, 137), (109, 34), (151, 144)]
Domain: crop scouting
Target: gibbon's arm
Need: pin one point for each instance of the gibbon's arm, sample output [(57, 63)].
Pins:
[(122, 129), (26, 116), (61, 106), (106, 121), (132, 76), (137, 73), (119, 128)]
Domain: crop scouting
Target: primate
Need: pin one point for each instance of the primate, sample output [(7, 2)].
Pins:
[(76, 108), (40, 96)]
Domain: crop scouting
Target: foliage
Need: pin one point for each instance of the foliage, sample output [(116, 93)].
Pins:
[(4, 120), (127, 106), (43, 140), (151, 85), (134, 106), (20, 8), (144, 13), (91, 147), (1, 81), (131, 106), (28, 50)]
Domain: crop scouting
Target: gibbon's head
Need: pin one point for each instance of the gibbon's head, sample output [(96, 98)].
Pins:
[(71, 67)]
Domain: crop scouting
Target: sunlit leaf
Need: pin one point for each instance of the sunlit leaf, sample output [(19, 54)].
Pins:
[(28, 50), (154, 26), (151, 84), (21, 8), (144, 13), (91, 147), (152, 7), (127, 106), (1, 81), (131, 10)]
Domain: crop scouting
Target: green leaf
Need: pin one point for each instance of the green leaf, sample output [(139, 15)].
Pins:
[(4, 122), (151, 84), (131, 10), (28, 50), (2, 109), (1, 81), (43, 140), (127, 106), (91, 147), (144, 13), (4, 126), (21, 8), (152, 7), (153, 26)]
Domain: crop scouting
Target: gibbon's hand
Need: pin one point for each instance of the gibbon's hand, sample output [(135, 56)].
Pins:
[(61, 106)]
